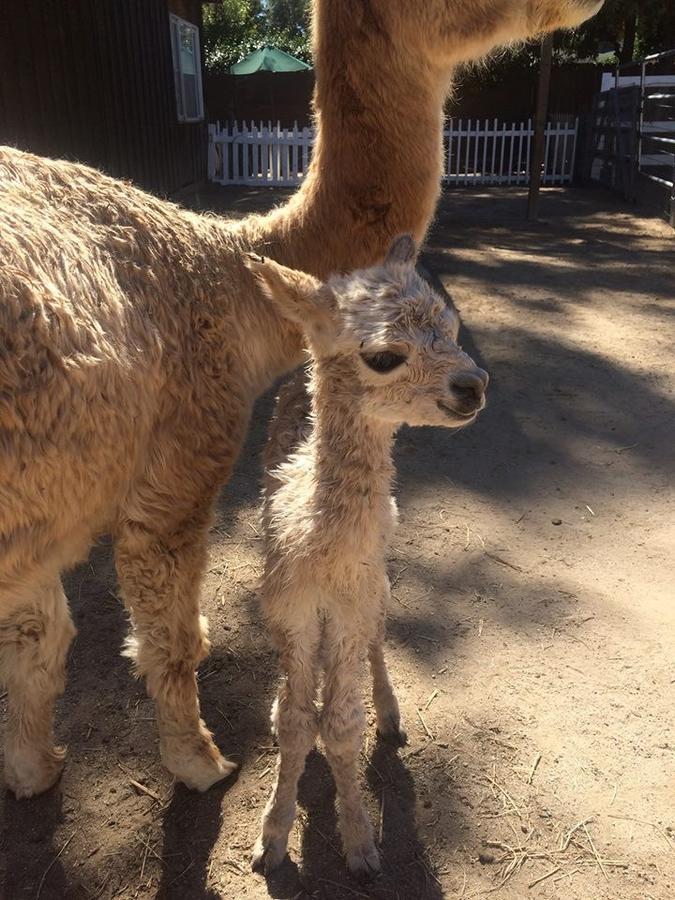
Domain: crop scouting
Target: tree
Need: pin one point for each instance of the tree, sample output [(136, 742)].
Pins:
[(235, 28), (230, 31), (630, 29), (291, 16)]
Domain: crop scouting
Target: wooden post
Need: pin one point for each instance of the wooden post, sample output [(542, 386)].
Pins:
[(539, 126)]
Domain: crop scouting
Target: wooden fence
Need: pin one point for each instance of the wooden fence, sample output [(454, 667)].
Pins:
[(477, 152)]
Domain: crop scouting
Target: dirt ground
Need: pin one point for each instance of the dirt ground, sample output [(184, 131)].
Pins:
[(531, 634)]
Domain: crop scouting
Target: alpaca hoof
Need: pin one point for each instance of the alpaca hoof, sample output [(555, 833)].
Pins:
[(268, 854), (364, 862), (29, 772), (200, 773), (197, 767), (392, 732)]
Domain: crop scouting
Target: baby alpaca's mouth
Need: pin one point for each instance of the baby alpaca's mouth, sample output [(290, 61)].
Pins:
[(455, 413)]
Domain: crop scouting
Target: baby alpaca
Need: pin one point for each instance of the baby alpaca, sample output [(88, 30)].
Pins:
[(384, 353)]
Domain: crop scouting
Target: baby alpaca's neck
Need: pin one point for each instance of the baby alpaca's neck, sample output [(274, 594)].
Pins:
[(352, 450)]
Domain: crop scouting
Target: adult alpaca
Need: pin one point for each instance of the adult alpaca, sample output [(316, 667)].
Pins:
[(379, 101), (133, 343)]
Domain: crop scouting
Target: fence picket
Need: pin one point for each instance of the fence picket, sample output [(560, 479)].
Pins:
[(224, 158), (284, 148), (235, 154), (458, 156), (555, 152), (494, 149), (448, 162), (520, 153), (546, 178), (294, 159), (255, 146), (501, 155), (468, 150), (245, 144), (528, 147), (211, 159), (265, 154), (521, 134), (305, 150), (274, 149), (250, 153), (509, 174)]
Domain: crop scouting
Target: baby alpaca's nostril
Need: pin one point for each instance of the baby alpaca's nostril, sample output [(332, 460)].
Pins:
[(484, 377), (469, 387)]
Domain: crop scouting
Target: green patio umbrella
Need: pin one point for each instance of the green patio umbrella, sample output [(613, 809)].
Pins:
[(267, 59)]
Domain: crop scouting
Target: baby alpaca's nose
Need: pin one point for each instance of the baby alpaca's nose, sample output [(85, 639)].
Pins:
[(469, 387)]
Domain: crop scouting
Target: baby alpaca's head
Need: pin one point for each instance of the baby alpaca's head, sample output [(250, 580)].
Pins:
[(384, 337)]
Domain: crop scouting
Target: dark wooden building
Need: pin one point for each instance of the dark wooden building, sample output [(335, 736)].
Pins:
[(116, 84)]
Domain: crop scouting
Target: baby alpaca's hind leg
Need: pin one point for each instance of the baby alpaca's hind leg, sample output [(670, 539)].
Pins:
[(34, 641), (295, 724), (342, 724), (384, 698)]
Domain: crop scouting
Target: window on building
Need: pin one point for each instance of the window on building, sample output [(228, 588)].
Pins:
[(187, 70)]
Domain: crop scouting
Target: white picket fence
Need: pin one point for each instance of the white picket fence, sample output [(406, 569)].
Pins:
[(477, 152)]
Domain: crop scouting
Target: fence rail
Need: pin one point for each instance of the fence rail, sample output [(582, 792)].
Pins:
[(631, 132), (477, 152), (657, 135)]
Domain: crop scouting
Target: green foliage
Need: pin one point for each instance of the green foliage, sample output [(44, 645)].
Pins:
[(235, 28), (656, 26), (291, 16), (628, 29), (230, 31), (622, 30)]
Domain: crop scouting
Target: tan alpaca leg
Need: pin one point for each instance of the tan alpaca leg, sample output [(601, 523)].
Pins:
[(34, 641), (294, 720), (342, 723), (160, 578), (384, 698)]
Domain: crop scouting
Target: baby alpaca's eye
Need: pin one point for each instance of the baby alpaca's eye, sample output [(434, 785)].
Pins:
[(383, 362)]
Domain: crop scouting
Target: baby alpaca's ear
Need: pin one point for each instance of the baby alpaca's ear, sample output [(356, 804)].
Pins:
[(299, 297), (402, 251)]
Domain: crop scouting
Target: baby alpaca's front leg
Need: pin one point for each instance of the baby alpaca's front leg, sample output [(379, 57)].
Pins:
[(384, 698), (342, 724), (295, 723)]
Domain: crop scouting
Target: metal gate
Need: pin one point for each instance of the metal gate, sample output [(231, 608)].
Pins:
[(630, 144), (611, 156)]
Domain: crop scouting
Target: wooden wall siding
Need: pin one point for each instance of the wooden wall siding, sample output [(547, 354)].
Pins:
[(92, 80)]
